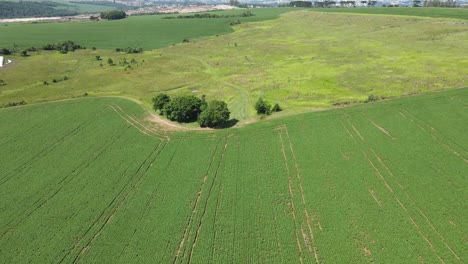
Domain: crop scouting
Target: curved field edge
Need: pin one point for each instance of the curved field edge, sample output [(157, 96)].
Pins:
[(369, 183)]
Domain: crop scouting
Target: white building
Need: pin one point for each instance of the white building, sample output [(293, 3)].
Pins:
[(1, 61)]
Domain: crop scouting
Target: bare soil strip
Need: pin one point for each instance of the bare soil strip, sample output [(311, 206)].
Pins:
[(293, 210), (375, 197), (383, 130)]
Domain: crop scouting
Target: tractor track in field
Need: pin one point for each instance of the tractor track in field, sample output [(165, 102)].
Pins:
[(20, 135), (188, 226), (60, 185), (137, 124), (48, 149), (107, 213), (215, 231), (436, 135), (366, 147), (442, 238), (125, 194), (308, 237), (207, 200)]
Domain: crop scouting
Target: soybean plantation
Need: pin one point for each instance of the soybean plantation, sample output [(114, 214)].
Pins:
[(91, 180)]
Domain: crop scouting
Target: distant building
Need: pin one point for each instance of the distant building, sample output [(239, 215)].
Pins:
[(1, 61)]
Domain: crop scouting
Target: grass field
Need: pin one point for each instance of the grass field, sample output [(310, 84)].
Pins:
[(455, 13), (88, 180), (302, 60)]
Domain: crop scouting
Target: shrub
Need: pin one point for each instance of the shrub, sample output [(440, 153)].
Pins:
[(262, 107), (276, 108)]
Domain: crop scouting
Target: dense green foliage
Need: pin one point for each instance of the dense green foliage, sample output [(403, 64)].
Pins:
[(88, 181), (113, 15), (183, 108), (62, 46), (160, 101), (214, 115), (262, 107), (33, 9)]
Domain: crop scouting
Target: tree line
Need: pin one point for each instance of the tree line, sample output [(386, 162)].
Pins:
[(33, 9), (211, 15), (113, 15)]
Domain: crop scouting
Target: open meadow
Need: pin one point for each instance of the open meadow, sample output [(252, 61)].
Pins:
[(88, 180), (301, 60)]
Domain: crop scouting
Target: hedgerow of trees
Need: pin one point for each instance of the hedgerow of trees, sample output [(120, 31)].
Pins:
[(63, 46), (33, 9), (211, 15), (190, 108), (113, 15)]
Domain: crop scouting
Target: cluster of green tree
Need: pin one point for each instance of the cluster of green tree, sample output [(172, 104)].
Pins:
[(113, 15), (62, 46), (129, 50), (439, 3), (191, 108), (264, 108), (33, 9), (11, 104), (211, 15)]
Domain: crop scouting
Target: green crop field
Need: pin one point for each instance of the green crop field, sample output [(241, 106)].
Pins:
[(89, 180), (301, 60), (148, 32), (457, 13)]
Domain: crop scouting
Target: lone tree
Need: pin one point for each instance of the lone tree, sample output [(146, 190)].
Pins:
[(160, 101), (183, 109), (215, 114), (262, 107)]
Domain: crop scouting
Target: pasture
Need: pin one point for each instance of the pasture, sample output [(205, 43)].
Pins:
[(302, 60), (89, 180)]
